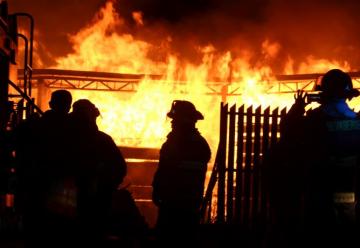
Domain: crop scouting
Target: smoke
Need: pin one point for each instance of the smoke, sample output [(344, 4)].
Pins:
[(320, 28), (54, 22), (324, 29), (194, 23)]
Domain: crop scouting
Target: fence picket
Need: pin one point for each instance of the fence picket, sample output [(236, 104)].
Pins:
[(247, 137), (230, 167), (264, 150), (256, 164), (222, 164), (247, 169), (239, 165)]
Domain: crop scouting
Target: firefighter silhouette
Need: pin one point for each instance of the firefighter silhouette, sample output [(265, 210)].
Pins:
[(319, 157), (178, 183), (100, 168), (42, 155)]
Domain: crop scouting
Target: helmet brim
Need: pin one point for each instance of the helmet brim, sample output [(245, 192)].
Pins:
[(354, 93), (194, 116)]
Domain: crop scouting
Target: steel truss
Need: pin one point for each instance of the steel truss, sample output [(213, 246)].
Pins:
[(105, 81)]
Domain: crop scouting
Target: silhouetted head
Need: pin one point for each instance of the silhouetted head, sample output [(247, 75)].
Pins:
[(85, 109), (184, 114), (61, 101), (337, 84), (184, 110)]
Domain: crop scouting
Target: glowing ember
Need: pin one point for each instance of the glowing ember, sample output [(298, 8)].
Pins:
[(137, 16)]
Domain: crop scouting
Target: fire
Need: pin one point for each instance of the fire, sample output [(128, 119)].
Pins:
[(138, 18), (139, 119), (313, 65), (37, 61)]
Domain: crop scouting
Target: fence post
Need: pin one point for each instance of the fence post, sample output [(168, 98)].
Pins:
[(274, 126), (265, 148), (256, 164), (222, 164), (239, 164), (247, 169), (230, 167), (245, 200)]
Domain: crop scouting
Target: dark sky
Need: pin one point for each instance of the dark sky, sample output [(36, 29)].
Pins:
[(324, 28)]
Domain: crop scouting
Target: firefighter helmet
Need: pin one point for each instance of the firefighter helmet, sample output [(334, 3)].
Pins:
[(85, 107), (184, 110), (337, 84)]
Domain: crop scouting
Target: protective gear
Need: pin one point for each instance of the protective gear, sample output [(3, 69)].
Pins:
[(337, 84), (335, 166), (85, 107), (184, 110), (178, 183)]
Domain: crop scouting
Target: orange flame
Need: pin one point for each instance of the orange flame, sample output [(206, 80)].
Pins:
[(138, 18), (139, 119)]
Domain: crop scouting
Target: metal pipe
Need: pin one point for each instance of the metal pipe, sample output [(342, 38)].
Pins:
[(25, 59), (31, 18), (26, 97)]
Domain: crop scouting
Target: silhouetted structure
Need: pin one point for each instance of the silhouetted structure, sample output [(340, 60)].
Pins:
[(6, 148), (317, 157), (179, 180)]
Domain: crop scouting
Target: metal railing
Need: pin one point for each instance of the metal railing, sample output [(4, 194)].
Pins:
[(235, 193)]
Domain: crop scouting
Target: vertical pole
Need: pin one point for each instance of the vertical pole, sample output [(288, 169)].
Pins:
[(256, 169), (230, 168), (224, 93), (239, 165), (4, 88), (265, 147), (32, 24), (222, 164), (274, 126), (248, 161)]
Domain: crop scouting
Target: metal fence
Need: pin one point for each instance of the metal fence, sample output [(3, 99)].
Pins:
[(235, 193)]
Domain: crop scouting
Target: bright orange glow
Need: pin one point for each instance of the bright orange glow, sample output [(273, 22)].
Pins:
[(138, 18), (139, 119), (9, 200)]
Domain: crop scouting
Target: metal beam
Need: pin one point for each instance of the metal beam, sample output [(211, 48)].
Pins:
[(107, 81)]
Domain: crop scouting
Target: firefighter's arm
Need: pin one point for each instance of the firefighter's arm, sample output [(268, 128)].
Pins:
[(298, 108), (292, 120)]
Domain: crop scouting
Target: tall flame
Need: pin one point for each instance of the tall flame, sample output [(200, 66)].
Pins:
[(139, 119)]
